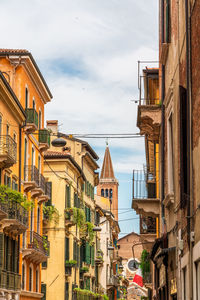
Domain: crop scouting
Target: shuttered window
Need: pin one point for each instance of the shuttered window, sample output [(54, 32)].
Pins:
[(92, 255), (83, 252), (87, 253), (43, 291), (49, 186), (68, 197), (66, 248), (167, 21), (97, 218), (66, 290), (87, 283)]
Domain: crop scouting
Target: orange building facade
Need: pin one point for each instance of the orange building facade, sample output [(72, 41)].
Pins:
[(25, 79)]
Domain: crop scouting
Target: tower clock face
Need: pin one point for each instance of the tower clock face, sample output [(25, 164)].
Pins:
[(133, 265)]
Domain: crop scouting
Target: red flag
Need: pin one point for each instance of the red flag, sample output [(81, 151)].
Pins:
[(138, 278)]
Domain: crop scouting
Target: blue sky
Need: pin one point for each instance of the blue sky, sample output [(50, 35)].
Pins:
[(87, 51)]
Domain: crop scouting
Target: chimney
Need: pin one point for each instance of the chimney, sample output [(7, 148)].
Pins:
[(53, 126)]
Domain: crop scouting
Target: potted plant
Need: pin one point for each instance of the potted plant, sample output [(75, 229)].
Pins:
[(84, 269), (70, 263)]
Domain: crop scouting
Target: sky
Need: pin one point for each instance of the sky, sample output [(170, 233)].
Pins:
[(87, 51)]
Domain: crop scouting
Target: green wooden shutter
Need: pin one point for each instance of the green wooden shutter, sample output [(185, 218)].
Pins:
[(92, 256), (78, 255), (16, 256), (66, 290), (1, 250), (83, 187), (68, 197), (43, 291), (49, 202), (66, 248), (89, 215), (87, 253)]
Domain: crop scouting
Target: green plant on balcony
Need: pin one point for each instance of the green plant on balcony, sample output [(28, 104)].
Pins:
[(45, 243), (78, 215), (35, 242), (70, 263), (105, 297), (85, 292), (7, 193), (52, 213), (84, 269), (145, 263), (90, 232)]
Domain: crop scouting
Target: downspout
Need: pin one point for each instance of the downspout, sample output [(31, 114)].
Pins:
[(190, 208), (163, 149)]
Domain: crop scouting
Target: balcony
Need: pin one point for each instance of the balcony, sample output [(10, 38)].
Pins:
[(144, 201), (112, 282), (149, 118), (44, 139), (10, 280), (69, 218), (16, 220), (31, 178), (46, 192), (3, 209), (39, 190), (31, 120), (8, 151), (37, 250)]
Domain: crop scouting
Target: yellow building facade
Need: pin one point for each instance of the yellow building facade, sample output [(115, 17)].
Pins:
[(26, 80), (72, 173)]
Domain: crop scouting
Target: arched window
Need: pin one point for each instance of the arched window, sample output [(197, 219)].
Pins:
[(111, 193), (33, 103), (106, 193), (102, 192), (30, 278)]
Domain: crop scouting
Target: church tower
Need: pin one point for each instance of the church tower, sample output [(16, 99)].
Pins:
[(108, 184)]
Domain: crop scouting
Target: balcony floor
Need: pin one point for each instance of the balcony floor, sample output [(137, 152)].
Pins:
[(147, 207)]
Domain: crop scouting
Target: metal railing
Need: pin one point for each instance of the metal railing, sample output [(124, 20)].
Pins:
[(31, 174), (31, 116), (10, 280), (143, 188), (150, 102), (113, 280), (18, 212), (147, 225), (44, 136), (38, 243), (8, 147), (42, 182)]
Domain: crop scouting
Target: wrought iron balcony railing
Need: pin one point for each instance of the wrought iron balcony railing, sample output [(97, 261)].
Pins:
[(17, 212), (8, 150), (10, 280), (143, 187), (32, 116), (31, 174), (39, 243), (150, 102), (3, 279), (44, 137)]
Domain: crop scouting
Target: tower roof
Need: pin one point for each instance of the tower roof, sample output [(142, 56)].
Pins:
[(107, 168)]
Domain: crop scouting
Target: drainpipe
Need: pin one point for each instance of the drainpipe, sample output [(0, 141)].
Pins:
[(190, 208), (163, 148)]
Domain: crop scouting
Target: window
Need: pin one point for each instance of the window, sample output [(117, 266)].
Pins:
[(23, 276), (33, 157), (43, 290), (7, 129), (25, 158), (106, 193), (170, 156), (111, 193), (40, 119), (102, 192), (32, 221), (33, 103), (30, 278), (184, 284), (24, 240), (38, 220), (39, 163), (37, 281), (166, 21), (67, 196), (26, 97)]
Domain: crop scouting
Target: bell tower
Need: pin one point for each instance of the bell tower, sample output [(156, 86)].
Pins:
[(108, 184)]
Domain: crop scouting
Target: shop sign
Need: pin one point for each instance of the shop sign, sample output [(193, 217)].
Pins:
[(173, 288)]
